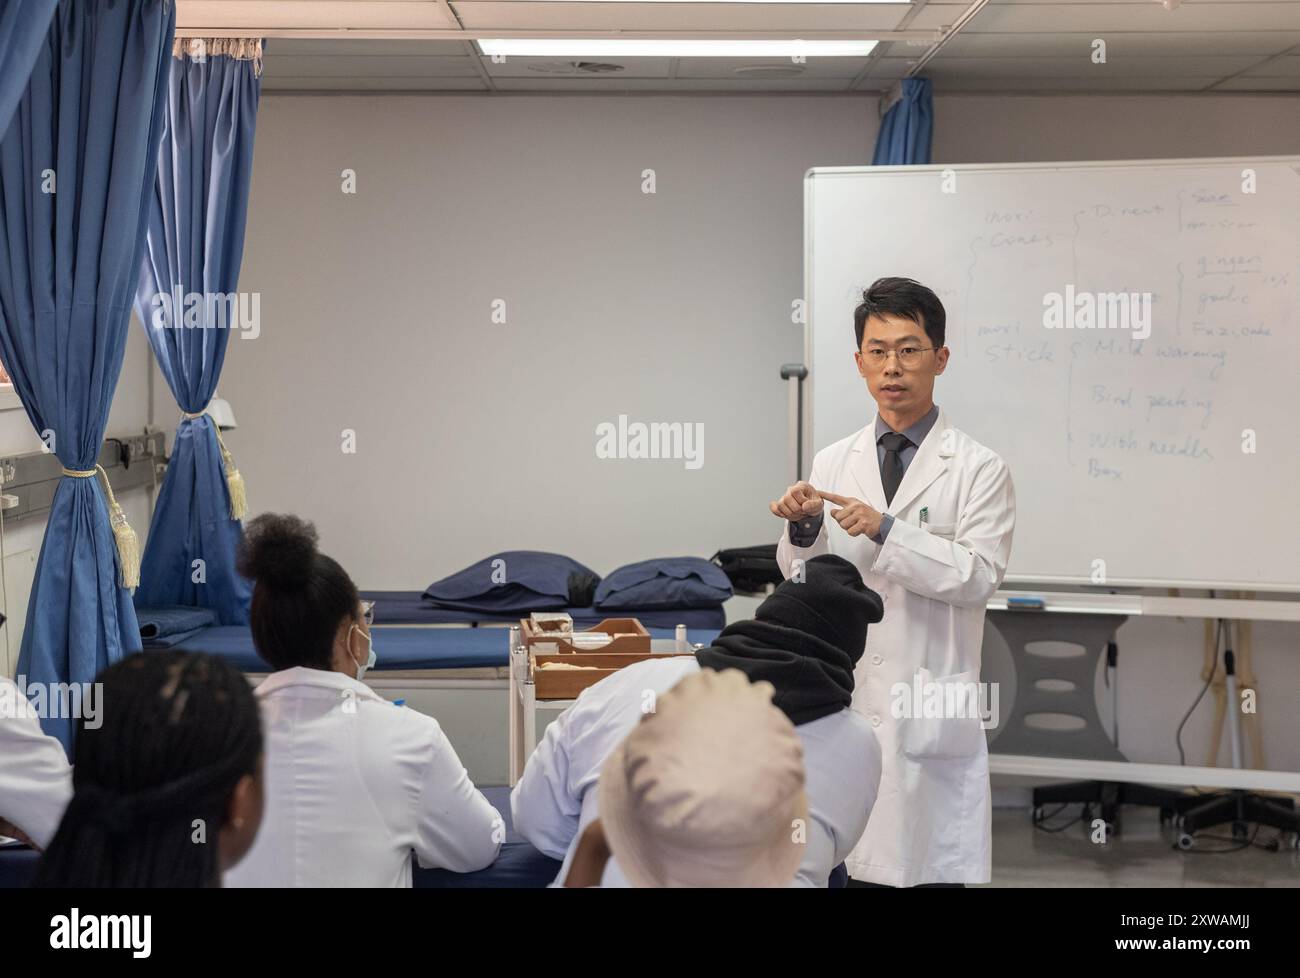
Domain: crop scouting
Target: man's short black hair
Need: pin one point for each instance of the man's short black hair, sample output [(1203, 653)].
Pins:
[(903, 297)]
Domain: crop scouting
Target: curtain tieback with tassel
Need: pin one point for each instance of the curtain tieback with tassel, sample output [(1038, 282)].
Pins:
[(128, 544), (234, 481)]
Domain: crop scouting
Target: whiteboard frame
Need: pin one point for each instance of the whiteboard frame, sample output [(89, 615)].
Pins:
[(809, 184)]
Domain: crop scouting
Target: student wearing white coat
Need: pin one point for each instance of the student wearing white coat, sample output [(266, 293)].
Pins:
[(35, 777), (804, 640), (926, 513), (354, 784)]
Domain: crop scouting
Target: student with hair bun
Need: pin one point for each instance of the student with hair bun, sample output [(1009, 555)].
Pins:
[(167, 789), (354, 784)]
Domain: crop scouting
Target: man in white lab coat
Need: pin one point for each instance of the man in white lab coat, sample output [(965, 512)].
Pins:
[(926, 513), (804, 641)]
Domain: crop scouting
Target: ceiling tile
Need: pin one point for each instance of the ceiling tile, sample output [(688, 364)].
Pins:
[(558, 15)]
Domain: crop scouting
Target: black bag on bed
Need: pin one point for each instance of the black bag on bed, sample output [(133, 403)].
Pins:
[(750, 569)]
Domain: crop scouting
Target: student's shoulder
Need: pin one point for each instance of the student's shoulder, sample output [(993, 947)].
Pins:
[(847, 730), (402, 724), (656, 675)]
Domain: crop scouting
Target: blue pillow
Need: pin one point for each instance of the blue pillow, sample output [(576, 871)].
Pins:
[(667, 582), (523, 581)]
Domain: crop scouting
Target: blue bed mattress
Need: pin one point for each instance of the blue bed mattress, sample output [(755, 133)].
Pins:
[(412, 608), (397, 648), (517, 865)]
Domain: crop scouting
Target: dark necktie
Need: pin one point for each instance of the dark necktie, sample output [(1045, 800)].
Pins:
[(891, 470)]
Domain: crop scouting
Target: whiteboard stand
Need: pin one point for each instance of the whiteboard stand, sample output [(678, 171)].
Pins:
[(1063, 685), (793, 374)]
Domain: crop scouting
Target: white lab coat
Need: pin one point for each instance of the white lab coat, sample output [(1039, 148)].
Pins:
[(557, 797), (353, 785), (35, 777), (932, 821)]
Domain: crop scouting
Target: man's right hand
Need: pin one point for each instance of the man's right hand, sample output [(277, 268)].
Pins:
[(800, 502)]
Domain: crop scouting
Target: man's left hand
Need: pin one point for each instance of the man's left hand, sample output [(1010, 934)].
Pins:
[(854, 516)]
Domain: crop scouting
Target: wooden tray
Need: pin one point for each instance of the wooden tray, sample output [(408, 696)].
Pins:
[(632, 637), (565, 684)]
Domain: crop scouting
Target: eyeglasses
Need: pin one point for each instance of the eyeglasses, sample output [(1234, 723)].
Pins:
[(908, 356), (368, 612)]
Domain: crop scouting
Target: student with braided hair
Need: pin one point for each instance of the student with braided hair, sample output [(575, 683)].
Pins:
[(167, 789)]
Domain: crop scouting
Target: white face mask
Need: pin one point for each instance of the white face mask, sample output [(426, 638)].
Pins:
[(371, 659)]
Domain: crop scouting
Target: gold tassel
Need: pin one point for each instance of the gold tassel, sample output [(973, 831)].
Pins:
[(128, 547), (238, 495), (234, 481), (128, 544)]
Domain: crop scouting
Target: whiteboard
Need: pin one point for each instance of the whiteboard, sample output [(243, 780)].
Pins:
[(1171, 460)]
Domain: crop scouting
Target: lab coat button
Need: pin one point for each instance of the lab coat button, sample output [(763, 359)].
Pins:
[(876, 660), (875, 721)]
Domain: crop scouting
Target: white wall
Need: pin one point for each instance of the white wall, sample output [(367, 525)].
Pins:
[(474, 437), (1030, 128), (671, 307)]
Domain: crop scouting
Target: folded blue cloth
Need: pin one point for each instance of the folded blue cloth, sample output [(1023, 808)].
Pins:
[(163, 622), (175, 639), (666, 582), (515, 581)]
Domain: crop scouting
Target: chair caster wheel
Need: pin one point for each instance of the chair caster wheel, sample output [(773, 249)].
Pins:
[(1185, 842)]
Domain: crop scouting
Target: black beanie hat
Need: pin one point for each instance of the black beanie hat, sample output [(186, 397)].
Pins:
[(831, 603), (805, 639)]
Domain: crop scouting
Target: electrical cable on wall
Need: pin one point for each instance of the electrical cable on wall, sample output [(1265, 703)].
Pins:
[(4, 582)]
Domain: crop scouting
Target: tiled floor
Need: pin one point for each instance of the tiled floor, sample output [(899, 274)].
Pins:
[(1142, 855)]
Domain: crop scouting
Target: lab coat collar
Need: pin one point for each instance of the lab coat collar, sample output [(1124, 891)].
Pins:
[(303, 677), (930, 462), (865, 467)]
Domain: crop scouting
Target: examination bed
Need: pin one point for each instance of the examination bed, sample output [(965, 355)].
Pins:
[(412, 608), (456, 671), (399, 647), (517, 865)]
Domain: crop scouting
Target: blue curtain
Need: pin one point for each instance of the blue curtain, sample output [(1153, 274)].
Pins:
[(195, 244), (907, 127), (23, 26), (92, 115)]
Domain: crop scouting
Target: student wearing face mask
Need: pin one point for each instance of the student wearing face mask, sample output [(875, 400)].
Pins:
[(354, 784)]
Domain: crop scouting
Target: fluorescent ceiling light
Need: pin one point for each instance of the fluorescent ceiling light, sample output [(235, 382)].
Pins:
[(633, 48), (897, 3)]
